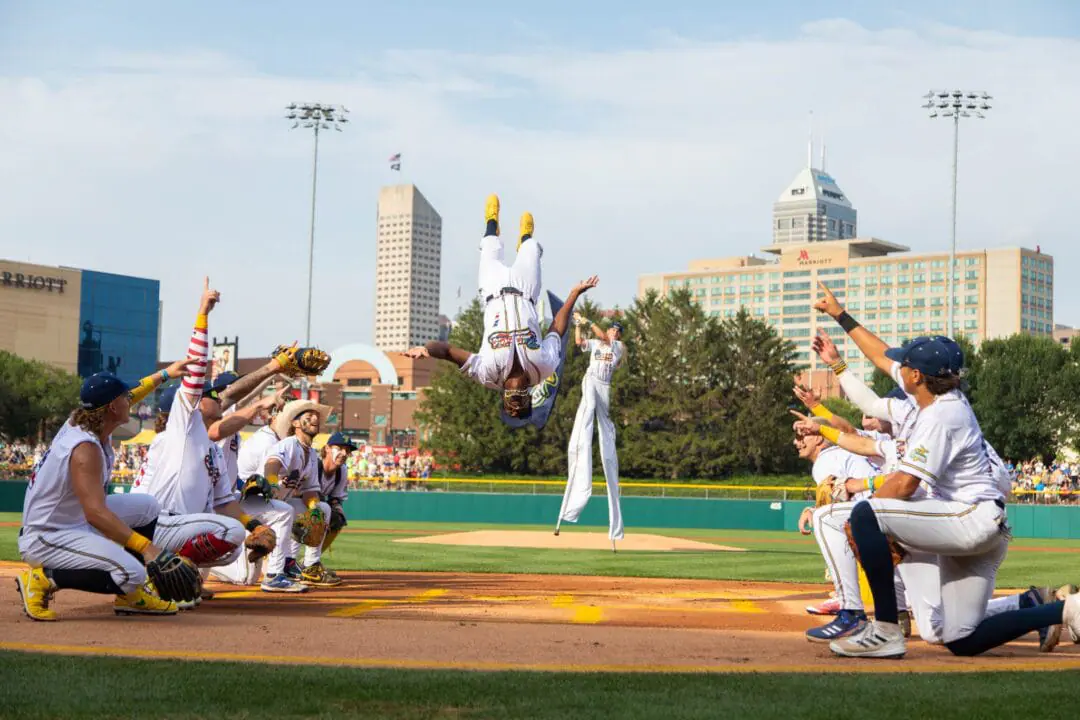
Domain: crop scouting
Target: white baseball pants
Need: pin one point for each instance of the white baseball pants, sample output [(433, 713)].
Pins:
[(84, 548), (278, 516), (173, 531), (595, 403), (955, 552), (312, 555), (828, 524), (523, 275)]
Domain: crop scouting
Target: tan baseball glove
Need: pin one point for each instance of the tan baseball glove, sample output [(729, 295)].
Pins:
[(260, 543), (298, 361)]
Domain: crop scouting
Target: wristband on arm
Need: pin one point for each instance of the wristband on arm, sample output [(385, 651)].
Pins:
[(847, 322)]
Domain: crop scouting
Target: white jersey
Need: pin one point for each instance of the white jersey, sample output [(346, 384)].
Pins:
[(511, 328), (230, 451), (300, 468), (947, 452), (1001, 474), (183, 467), (335, 486), (50, 502), (839, 463), (604, 359), (251, 459)]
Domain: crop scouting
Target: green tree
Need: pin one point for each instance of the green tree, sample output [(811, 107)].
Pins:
[(881, 383), (1024, 395), (35, 398)]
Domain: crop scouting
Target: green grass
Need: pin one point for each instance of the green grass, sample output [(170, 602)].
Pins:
[(125, 688), (773, 556)]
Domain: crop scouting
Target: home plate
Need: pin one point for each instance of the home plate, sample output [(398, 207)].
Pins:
[(569, 541)]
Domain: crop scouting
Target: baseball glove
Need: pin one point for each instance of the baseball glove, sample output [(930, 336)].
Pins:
[(824, 492), (298, 362), (256, 486), (897, 550), (260, 543), (337, 516), (310, 528), (176, 578)]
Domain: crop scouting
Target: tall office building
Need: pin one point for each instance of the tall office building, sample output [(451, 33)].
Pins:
[(408, 262), (896, 294)]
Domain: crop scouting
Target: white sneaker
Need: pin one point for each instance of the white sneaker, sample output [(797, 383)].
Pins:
[(878, 640), (1070, 615)]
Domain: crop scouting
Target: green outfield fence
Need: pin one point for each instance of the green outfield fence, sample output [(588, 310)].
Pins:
[(527, 508)]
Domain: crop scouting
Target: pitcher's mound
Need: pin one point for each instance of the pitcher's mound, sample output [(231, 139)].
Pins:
[(568, 541)]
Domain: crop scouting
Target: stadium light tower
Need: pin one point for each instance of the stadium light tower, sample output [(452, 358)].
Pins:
[(316, 117), (955, 104)]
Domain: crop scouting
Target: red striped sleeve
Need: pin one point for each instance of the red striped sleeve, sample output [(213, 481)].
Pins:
[(198, 354)]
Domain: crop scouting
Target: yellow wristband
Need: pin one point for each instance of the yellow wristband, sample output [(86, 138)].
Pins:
[(245, 519), (830, 433), (821, 411), (143, 389), (312, 502), (839, 367), (202, 322), (273, 480), (136, 542)]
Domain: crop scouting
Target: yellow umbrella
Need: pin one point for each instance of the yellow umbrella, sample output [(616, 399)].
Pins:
[(145, 437)]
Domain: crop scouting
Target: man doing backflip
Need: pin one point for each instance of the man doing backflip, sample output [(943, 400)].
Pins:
[(513, 356)]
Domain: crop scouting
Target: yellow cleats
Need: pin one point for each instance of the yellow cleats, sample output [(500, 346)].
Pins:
[(491, 211), (143, 602), (36, 591), (526, 228)]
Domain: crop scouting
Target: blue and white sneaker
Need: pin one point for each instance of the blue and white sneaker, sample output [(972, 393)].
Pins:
[(281, 583), (845, 623), (292, 569)]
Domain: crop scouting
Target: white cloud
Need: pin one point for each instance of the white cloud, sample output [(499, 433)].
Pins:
[(175, 165)]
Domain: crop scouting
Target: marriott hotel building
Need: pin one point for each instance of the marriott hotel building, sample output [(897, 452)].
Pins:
[(896, 294), (81, 321)]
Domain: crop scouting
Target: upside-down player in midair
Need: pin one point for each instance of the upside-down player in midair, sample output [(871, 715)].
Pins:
[(513, 356)]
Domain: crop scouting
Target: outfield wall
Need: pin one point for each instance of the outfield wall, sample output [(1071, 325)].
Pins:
[(1028, 521)]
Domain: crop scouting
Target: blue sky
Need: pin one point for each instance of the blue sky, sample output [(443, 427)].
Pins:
[(147, 138)]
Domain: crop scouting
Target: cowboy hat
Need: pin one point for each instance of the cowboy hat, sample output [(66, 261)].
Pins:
[(283, 420)]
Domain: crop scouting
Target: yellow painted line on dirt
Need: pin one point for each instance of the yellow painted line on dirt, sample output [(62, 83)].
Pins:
[(587, 615), (236, 595), (367, 605), (840, 666), (745, 606)]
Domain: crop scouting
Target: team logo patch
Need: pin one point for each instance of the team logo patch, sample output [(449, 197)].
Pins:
[(920, 454), (211, 467), (545, 390), (37, 467), (525, 338), (234, 443)]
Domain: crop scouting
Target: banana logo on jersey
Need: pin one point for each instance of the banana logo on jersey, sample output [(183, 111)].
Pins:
[(920, 454), (545, 390)]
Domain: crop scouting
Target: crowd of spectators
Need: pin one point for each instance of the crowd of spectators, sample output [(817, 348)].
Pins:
[(399, 470), (1037, 482)]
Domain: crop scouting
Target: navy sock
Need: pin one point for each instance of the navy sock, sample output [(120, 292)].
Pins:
[(1003, 627), (525, 237), (876, 560), (92, 581), (492, 228)]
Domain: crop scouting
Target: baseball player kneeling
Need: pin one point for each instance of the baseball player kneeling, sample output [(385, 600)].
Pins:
[(292, 468), (334, 489)]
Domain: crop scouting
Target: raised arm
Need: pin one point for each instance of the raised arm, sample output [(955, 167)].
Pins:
[(856, 390), (869, 343), (562, 318), (440, 351), (151, 382), (199, 349), (813, 403), (245, 385), (237, 421)]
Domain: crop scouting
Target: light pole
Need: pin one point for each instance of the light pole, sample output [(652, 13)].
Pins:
[(317, 117), (955, 104)]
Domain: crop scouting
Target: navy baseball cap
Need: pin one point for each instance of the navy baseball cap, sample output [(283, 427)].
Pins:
[(100, 389), (617, 325), (928, 356), (956, 353), (165, 400), (221, 382), (339, 440)]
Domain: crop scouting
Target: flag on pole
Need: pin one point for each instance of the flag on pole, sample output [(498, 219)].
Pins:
[(395, 162)]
